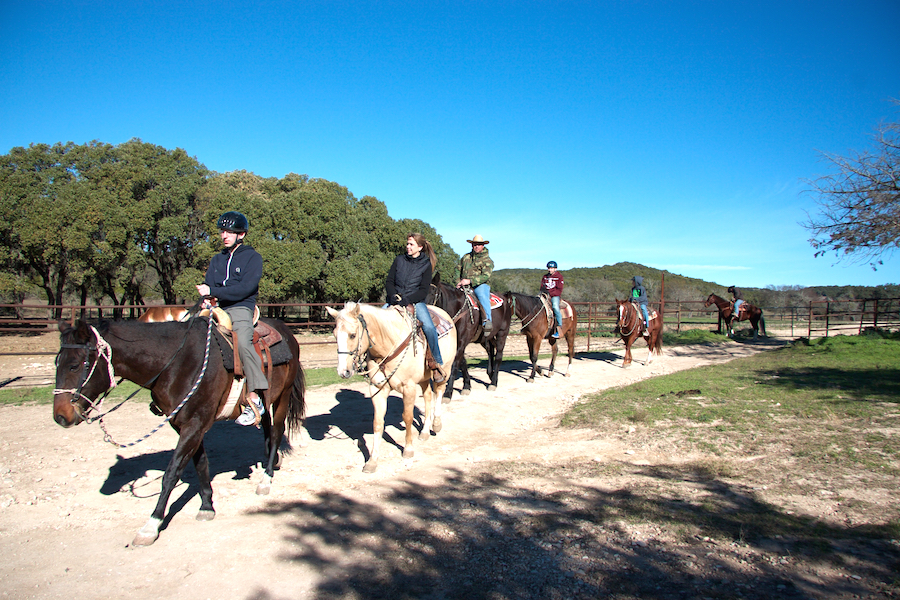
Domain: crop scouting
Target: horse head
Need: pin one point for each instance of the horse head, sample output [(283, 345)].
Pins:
[(352, 338), (83, 372), (710, 300)]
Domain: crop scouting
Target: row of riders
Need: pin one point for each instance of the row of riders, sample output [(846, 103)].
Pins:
[(257, 371)]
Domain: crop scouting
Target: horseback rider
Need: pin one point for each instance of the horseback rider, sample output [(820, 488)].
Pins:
[(738, 299), (408, 284), (639, 296), (552, 285), (475, 270), (233, 280)]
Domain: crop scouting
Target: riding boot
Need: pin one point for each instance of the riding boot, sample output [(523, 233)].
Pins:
[(487, 325), (437, 373)]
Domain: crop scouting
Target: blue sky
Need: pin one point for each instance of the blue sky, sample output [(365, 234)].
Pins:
[(678, 135)]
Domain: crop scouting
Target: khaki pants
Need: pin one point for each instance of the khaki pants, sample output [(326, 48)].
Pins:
[(242, 325)]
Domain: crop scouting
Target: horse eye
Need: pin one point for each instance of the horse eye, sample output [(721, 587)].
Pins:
[(74, 367), (352, 336)]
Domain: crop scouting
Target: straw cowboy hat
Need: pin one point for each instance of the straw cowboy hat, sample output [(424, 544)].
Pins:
[(478, 240)]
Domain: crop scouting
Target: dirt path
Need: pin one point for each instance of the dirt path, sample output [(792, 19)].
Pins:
[(470, 516)]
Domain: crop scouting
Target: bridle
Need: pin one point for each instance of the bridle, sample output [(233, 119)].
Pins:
[(359, 358), (438, 297), (100, 348)]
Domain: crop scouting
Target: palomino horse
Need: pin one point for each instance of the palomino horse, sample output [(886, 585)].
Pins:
[(380, 343), (630, 325), (467, 317), (536, 319), (748, 312), (186, 377)]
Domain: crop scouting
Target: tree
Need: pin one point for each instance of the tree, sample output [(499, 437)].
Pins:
[(859, 204)]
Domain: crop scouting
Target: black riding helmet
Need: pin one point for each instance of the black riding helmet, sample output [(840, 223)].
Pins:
[(234, 222)]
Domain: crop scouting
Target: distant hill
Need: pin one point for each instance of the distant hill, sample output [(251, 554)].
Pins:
[(606, 283)]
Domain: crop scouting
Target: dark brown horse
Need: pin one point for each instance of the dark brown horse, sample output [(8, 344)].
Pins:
[(186, 375), (749, 312), (536, 320), (630, 325), (466, 315)]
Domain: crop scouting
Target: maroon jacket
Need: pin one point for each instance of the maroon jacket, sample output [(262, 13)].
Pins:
[(552, 284)]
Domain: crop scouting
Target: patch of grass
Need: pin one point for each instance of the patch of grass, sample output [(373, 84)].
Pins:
[(826, 402), (19, 396)]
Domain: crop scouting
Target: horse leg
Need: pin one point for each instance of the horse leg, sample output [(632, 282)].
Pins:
[(570, 342), (379, 403), (428, 422), (497, 353), (627, 360), (464, 371), (437, 425), (188, 445), (201, 464), (554, 346), (534, 346), (409, 408)]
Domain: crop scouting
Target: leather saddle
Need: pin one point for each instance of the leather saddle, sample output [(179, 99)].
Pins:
[(264, 337)]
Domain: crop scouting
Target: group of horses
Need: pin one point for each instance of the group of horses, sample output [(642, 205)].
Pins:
[(172, 356)]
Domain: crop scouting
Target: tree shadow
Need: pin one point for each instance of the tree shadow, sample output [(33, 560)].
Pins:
[(479, 536), (865, 385)]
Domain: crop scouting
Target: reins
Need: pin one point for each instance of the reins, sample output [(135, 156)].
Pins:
[(359, 363), (625, 324)]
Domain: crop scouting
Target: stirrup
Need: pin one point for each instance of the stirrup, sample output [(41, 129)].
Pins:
[(252, 413)]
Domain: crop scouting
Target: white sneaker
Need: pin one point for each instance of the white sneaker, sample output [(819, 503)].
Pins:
[(248, 417)]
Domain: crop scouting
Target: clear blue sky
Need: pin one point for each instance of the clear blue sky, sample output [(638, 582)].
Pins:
[(673, 134)]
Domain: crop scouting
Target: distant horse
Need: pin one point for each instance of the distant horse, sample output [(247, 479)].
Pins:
[(536, 320), (164, 314), (379, 343), (630, 325), (466, 312), (749, 312), (168, 359)]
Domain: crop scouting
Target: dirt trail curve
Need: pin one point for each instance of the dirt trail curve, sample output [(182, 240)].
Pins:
[(70, 503)]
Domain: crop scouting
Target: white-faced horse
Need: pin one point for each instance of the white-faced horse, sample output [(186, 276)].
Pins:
[(379, 343)]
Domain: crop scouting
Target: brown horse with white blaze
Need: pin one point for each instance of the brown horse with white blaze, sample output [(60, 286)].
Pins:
[(380, 343), (748, 312), (630, 325), (186, 381)]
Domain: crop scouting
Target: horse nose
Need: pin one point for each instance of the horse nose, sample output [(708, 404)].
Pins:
[(345, 374), (62, 421)]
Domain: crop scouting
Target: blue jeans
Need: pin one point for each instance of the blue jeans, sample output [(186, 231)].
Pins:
[(483, 293), (242, 325), (554, 302), (646, 314), (737, 305), (429, 330)]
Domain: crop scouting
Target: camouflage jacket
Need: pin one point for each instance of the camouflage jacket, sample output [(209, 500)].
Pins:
[(476, 267)]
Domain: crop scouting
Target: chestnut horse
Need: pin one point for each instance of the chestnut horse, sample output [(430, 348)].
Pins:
[(187, 380), (748, 312), (467, 317), (630, 325), (536, 320), (164, 314), (380, 343)]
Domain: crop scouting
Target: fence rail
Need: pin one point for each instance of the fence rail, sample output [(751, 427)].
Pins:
[(595, 319)]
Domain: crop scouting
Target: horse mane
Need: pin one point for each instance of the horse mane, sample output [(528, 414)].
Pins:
[(527, 302)]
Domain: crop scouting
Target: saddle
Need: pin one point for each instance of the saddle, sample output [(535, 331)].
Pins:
[(472, 302), (442, 325), (264, 337)]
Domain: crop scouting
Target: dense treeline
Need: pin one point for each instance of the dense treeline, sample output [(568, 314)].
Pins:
[(132, 223), (135, 222)]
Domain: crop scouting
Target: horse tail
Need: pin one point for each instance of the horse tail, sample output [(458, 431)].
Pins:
[(297, 405)]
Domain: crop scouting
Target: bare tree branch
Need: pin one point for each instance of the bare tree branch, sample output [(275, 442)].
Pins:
[(859, 204)]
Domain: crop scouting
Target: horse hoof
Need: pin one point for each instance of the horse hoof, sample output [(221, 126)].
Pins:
[(567, 375), (206, 515), (424, 435), (437, 425), (370, 467), (492, 388), (144, 540), (445, 400), (263, 489), (465, 392), (529, 380), (408, 453)]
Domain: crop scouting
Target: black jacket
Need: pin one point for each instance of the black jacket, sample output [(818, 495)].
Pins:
[(409, 278), (233, 277)]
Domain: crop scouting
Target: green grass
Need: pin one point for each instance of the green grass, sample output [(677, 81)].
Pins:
[(828, 401)]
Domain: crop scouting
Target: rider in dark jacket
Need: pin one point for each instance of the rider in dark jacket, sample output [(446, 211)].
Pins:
[(738, 298), (408, 283), (639, 295)]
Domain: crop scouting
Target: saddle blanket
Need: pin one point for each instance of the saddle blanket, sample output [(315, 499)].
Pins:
[(496, 301), (281, 353)]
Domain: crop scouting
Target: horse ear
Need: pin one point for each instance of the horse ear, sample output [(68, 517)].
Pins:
[(334, 313), (64, 327), (436, 279)]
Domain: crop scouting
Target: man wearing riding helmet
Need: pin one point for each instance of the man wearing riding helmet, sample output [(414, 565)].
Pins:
[(552, 285), (233, 280)]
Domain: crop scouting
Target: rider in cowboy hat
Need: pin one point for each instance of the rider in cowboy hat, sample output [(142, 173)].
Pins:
[(475, 270)]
